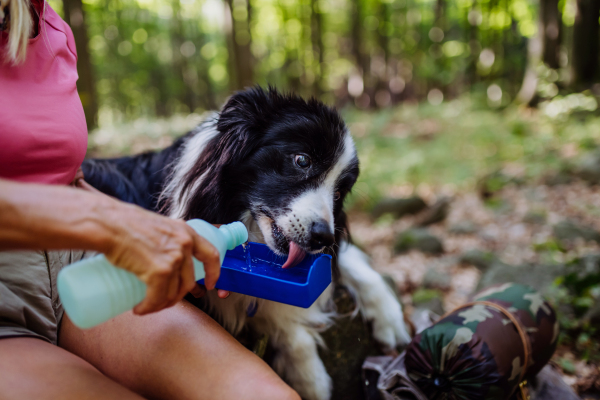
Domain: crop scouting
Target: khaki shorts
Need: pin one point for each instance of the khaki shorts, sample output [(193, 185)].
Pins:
[(29, 303)]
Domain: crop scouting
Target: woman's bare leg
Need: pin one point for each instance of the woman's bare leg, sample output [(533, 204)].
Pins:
[(177, 353), (34, 369)]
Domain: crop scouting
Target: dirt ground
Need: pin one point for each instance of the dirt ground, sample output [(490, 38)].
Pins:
[(514, 228)]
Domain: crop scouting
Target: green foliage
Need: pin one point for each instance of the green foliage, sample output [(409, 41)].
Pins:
[(566, 365), (161, 57), (425, 295), (455, 144), (551, 245), (577, 298)]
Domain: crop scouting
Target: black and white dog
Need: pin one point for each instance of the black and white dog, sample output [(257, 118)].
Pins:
[(283, 166)]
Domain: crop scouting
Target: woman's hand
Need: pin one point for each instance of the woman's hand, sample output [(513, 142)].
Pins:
[(159, 250), (200, 290)]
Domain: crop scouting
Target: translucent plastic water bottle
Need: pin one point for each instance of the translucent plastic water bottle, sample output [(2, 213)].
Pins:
[(93, 290)]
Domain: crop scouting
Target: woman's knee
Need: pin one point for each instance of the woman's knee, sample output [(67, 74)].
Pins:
[(278, 392), (34, 369), (269, 387)]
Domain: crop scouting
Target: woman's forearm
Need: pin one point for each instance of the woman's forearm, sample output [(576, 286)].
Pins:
[(39, 217), (157, 249)]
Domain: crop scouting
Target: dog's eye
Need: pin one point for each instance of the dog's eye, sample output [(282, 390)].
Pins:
[(336, 196), (302, 161)]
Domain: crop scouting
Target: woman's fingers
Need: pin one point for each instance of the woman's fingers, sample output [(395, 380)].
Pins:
[(174, 284), (188, 280), (204, 251), (200, 291), (156, 295)]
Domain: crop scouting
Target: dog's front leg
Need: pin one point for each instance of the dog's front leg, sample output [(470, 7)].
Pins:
[(297, 359), (374, 297)]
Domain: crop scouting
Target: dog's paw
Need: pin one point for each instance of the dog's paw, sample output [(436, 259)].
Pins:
[(385, 313), (318, 387), (307, 375), (298, 362), (389, 328)]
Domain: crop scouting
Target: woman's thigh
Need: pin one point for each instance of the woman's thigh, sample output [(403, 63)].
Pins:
[(34, 369), (177, 353)]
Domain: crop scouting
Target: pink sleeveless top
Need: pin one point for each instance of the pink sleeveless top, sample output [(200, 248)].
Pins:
[(43, 133)]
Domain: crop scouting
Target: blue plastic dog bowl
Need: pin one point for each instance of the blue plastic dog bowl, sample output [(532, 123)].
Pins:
[(253, 269)]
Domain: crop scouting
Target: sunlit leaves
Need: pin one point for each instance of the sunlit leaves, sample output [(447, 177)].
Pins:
[(140, 36), (209, 51), (125, 48), (218, 73), (407, 49), (454, 48)]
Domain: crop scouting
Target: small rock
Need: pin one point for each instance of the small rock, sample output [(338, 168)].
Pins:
[(418, 239), (492, 183), (535, 218), (588, 168), (560, 178), (435, 305), (539, 277), (398, 207), (463, 228), (478, 258), (437, 279), (570, 230), (549, 385), (437, 213)]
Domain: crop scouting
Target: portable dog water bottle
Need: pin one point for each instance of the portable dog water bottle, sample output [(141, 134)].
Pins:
[(93, 290)]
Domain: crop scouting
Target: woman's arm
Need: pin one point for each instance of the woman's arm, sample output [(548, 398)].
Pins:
[(157, 249)]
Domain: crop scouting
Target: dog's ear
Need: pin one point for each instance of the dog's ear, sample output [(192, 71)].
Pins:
[(245, 117), (240, 125)]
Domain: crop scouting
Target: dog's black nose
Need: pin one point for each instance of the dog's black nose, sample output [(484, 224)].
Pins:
[(320, 235)]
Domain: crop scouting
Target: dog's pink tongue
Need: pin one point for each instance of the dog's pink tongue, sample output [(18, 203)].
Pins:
[(296, 255)]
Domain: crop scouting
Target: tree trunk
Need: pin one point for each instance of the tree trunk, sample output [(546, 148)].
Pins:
[(239, 40), (551, 32), (528, 91), (316, 36), (383, 40), (440, 7), (472, 39), (86, 84), (362, 62), (585, 42), (181, 63)]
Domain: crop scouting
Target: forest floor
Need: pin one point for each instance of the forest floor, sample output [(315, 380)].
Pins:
[(518, 186), (520, 233)]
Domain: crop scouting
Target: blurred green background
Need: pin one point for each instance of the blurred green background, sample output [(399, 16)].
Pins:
[(161, 57)]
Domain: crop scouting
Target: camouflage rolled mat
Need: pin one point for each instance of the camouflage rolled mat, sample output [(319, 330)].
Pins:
[(479, 351)]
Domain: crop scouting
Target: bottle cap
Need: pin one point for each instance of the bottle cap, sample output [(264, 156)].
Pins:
[(235, 233)]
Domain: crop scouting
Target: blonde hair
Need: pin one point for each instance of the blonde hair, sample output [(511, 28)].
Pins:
[(19, 31)]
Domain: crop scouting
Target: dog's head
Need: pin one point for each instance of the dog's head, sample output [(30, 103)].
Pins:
[(286, 162)]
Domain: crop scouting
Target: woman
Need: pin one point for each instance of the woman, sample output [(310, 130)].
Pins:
[(174, 350)]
